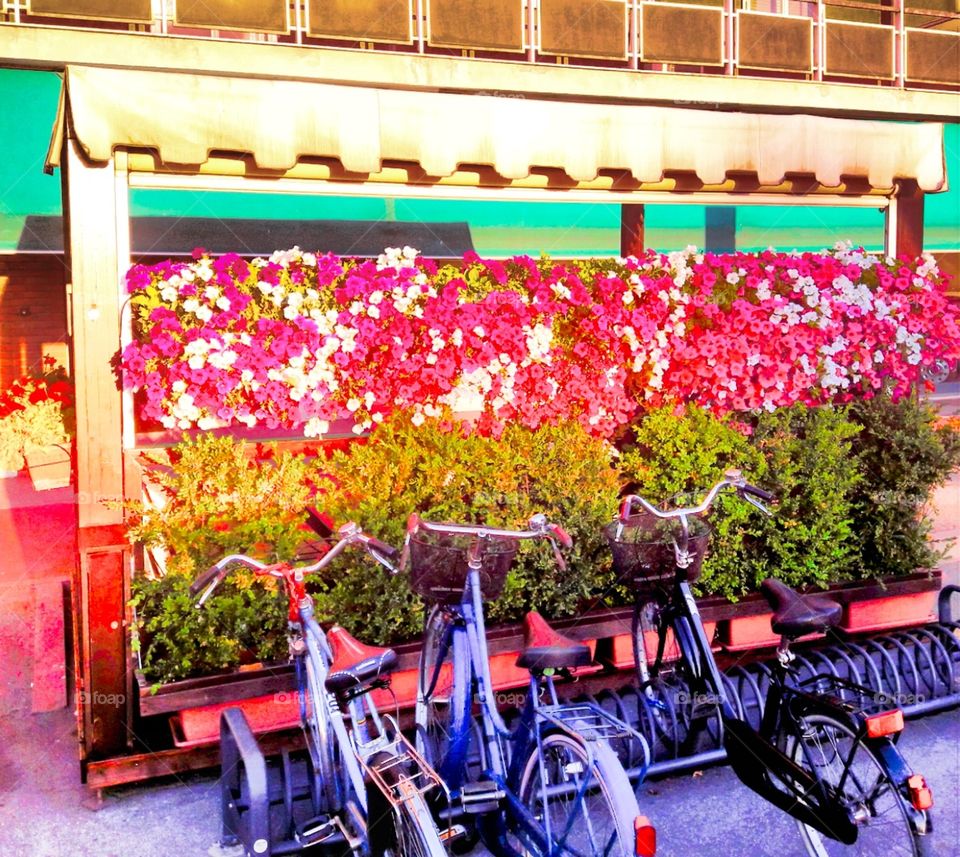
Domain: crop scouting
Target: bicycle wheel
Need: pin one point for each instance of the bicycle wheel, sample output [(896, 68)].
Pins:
[(401, 826), (443, 698), (585, 808), (830, 751)]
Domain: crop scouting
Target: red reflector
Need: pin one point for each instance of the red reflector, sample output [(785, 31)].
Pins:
[(646, 837), (920, 795), (885, 723)]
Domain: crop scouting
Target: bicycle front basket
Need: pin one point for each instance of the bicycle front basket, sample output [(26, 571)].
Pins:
[(643, 552), (438, 566)]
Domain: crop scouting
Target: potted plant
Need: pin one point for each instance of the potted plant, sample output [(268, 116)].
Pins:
[(39, 419), (11, 449)]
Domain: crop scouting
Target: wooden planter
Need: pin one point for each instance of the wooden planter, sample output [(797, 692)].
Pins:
[(49, 467), (267, 692)]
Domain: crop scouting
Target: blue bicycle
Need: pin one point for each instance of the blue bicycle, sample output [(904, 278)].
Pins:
[(551, 784)]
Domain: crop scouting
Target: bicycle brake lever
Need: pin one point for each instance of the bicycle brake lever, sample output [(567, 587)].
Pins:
[(753, 501), (558, 556)]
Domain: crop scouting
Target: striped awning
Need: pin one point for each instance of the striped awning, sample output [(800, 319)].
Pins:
[(184, 119)]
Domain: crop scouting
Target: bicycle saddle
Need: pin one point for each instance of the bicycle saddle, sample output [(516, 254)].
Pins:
[(355, 664), (544, 648), (795, 615)]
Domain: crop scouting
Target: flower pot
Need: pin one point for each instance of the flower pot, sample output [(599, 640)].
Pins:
[(893, 611), (621, 647), (195, 726), (49, 467)]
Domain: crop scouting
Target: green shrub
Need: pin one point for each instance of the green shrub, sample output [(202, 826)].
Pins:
[(215, 500), (902, 457), (801, 454), (449, 476), (671, 454), (808, 463)]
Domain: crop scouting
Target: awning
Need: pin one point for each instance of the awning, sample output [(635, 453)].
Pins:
[(184, 118)]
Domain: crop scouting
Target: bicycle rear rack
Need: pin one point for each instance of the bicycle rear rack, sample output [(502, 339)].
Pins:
[(404, 773), (591, 722)]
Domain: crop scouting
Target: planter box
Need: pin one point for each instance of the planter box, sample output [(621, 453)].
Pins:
[(620, 654), (269, 689), (893, 611), (49, 467)]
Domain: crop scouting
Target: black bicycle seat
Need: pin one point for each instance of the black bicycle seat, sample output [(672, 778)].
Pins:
[(794, 614), (544, 648), (355, 664)]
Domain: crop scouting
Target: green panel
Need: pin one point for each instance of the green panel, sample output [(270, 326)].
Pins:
[(269, 206), (28, 107)]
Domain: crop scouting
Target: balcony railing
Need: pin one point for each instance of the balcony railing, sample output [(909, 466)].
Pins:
[(887, 43)]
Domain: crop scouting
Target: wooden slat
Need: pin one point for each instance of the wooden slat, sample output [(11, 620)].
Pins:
[(255, 16), (138, 11), (859, 50), (361, 20), (478, 24), (701, 29), (774, 42), (584, 28), (933, 56)]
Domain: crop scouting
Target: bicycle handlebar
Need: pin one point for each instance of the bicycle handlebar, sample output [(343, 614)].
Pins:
[(350, 533), (733, 479), (539, 528)]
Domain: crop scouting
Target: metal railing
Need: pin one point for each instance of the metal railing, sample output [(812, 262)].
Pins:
[(888, 43)]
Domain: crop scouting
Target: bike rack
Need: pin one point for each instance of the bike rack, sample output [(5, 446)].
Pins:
[(914, 669), (267, 805)]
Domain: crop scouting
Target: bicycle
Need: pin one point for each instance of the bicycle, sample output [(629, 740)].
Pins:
[(551, 784), (824, 752), (363, 769)]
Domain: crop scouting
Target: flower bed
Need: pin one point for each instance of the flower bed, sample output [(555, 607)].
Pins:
[(300, 340), (590, 379)]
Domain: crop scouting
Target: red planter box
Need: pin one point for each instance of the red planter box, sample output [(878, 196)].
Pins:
[(622, 647), (752, 632), (195, 726), (895, 611)]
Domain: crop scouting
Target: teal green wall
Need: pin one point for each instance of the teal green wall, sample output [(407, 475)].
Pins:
[(28, 102)]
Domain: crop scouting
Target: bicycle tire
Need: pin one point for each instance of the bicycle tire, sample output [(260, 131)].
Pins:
[(406, 829), (601, 821), (884, 826), (443, 727)]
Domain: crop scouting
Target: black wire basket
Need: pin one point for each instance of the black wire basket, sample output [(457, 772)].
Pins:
[(438, 566), (643, 552)]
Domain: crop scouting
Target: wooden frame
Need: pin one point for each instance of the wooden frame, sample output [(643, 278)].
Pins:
[(92, 16), (908, 33), (626, 4), (655, 8), (411, 33), (836, 26)]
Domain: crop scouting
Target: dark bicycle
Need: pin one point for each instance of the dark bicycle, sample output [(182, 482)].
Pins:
[(825, 752)]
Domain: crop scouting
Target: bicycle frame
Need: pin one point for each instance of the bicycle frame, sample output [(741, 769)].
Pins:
[(536, 720)]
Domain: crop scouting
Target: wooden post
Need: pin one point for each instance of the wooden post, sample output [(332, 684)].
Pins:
[(631, 229), (904, 220), (909, 219), (101, 586)]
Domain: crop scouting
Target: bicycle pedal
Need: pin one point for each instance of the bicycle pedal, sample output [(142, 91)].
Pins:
[(322, 831), (481, 797), (453, 833)]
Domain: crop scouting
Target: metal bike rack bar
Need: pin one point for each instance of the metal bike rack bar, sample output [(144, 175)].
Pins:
[(914, 669)]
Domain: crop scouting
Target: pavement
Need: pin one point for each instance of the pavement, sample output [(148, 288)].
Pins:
[(46, 812)]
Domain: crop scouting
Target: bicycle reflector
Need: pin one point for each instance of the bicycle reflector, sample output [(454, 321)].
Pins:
[(646, 837), (884, 723), (920, 795)]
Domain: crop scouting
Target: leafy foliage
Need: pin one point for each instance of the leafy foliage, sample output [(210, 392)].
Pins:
[(449, 476), (902, 457)]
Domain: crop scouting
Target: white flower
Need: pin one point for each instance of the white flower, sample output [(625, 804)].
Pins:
[(479, 331), (169, 294), (417, 419), (373, 311), (204, 313), (223, 303), (211, 293), (353, 405)]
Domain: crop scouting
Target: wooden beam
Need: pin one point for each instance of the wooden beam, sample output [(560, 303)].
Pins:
[(93, 211), (909, 224), (90, 224), (631, 230)]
